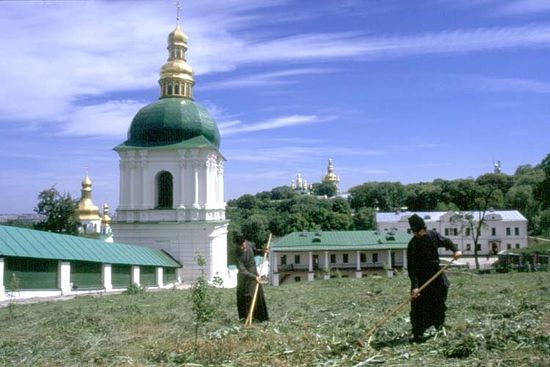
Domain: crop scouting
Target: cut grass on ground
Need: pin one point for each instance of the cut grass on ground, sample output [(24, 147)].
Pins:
[(493, 320)]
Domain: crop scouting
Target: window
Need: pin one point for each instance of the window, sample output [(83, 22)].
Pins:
[(455, 231), (176, 89), (493, 231), (446, 231), (409, 231), (516, 231), (478, 247), (363, 257), (517, 245), (508, 231), (332, 258), (346, 259), (468, 231), (283, 260), (165, 190), (375, 257), (509, 246), (296, 259), (468, 247)]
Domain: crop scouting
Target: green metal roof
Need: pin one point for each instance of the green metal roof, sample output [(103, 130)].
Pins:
[(342, 241), (171, 121), (22, 242)]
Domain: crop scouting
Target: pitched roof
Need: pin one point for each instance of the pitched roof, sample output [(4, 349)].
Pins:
[(512, 215), (22, 242), (342, 241)]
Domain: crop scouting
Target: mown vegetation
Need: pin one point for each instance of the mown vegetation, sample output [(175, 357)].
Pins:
[(493, 320)]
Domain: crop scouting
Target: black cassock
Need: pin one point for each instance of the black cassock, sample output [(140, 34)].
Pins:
[(423, 262), (246, 285)]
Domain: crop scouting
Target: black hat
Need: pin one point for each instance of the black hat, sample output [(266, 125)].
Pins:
[(416, 223)]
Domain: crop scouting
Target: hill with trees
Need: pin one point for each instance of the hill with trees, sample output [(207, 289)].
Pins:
[(282, 210)]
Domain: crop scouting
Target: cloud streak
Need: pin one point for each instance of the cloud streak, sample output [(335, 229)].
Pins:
[(65, 57)]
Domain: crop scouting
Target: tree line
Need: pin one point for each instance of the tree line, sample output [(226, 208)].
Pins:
[(282, 210)]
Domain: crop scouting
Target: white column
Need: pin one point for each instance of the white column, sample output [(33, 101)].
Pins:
[(135, 275), (275, 265), (310, 273), (122, 186), (405, 265), (327, 267), (196, 183), (203, 182), (358, 272), (389, 268), (106, 275), (2, 288), (274, 269), (220, 184), (131, 184), (159, 277), (64, 277), (182, 179), (143, 180)]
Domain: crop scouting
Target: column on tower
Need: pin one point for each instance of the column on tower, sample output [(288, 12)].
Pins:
[(143, 164), (182, 186)]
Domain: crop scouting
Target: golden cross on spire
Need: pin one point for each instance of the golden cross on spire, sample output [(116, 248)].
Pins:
[(178, 7)]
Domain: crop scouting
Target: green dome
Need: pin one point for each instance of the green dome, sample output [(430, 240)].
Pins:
[(171, 121)]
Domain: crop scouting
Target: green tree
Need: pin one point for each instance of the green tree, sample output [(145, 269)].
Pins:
[(365, 219), (255, 229), (387, 196), (58, 211), (543, 189), (422, 196), (202, 302), (325, 188), (476, 222)]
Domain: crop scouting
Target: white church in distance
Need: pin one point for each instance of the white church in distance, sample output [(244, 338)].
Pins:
[(171, 175)]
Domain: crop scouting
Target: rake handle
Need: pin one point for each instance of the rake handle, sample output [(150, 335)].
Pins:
[(400, 306)]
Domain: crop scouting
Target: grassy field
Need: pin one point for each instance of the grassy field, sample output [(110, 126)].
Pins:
[(493, 320)]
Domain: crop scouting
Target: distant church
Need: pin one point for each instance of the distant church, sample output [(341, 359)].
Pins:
[(301, 186), (171, 174)]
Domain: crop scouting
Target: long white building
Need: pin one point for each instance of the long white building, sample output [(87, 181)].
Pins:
[(502, 229)]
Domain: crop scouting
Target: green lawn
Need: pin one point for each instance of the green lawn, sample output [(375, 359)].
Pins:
[(493, 320)]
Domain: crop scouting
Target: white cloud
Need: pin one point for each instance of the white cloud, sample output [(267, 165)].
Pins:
[(62, 52), (275, 123), (293, 154), (526, 6), (111, 118), (264, 79), (511, 85)]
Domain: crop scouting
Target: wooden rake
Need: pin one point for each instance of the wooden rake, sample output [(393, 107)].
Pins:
[(248, 321), (401, 305)]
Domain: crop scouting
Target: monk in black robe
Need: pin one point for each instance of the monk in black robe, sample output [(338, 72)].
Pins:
[(247, 278), (427, 307)]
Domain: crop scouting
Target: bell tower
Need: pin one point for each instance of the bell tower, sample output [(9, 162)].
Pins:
[(171, 174)]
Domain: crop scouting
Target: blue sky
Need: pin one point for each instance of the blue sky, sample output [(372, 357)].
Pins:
[(390, 90)]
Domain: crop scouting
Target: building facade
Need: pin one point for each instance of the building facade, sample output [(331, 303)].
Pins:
[(501, 230), (44, 264), (171, 174), (320, 255)]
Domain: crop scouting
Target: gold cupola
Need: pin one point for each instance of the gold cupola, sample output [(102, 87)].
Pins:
[(176, 75), (105, 219), (86, 210), (331, 176)]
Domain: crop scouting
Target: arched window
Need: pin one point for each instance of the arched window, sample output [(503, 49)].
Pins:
[(170, 90), (165, 190), (177, 89)]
